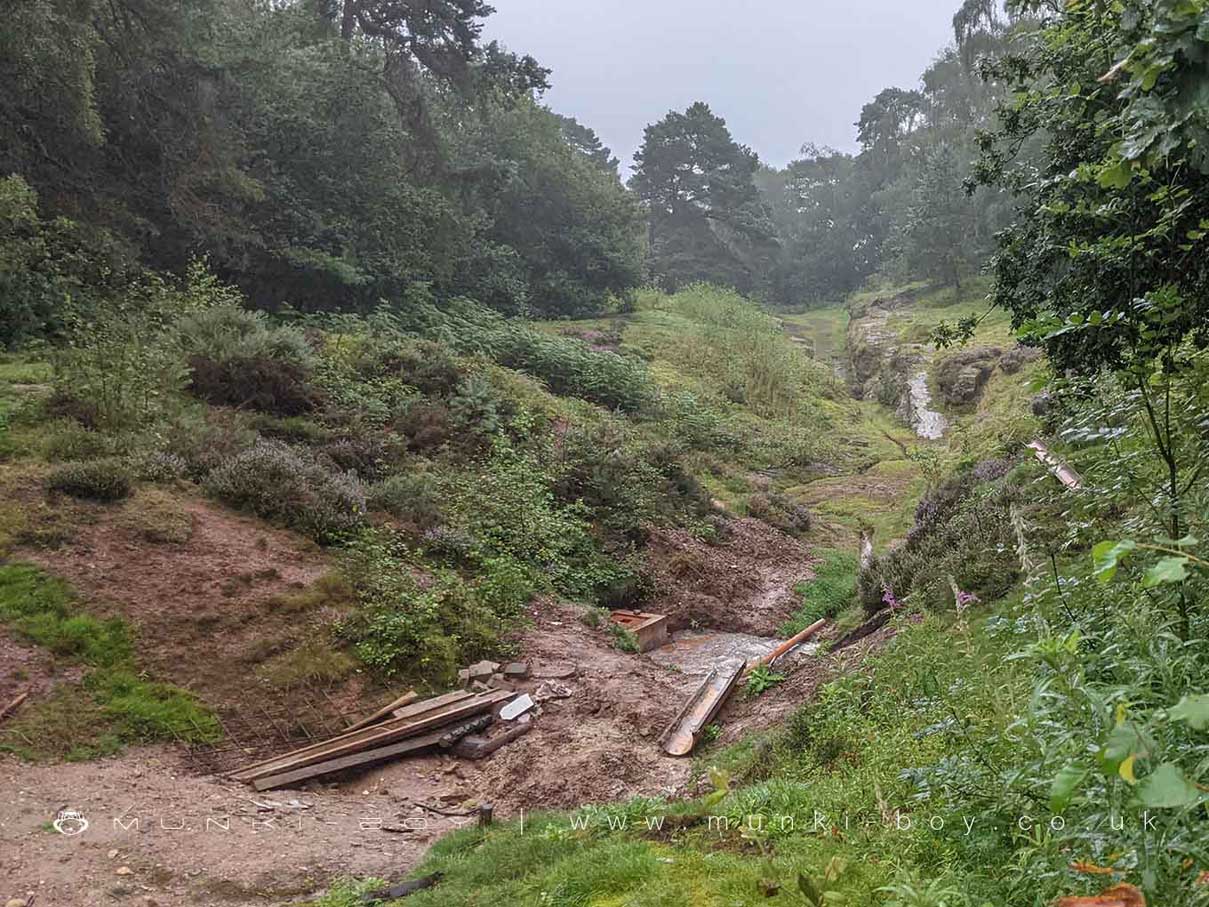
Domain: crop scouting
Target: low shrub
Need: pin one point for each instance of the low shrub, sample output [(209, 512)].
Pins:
[(427, 630), (107, 479), (276, 482), (367, 455), (159, 466), (780, 512), (427, 426), (411, 497), (292, 429), (267, 385), (67, 440), (427, 366)]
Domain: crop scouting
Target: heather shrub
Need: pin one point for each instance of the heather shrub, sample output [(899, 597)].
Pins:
[(780, 512), (159, 466), (107, 479), (367, 455), (412, 497), (276, 482), (260, 383), (427, 426)]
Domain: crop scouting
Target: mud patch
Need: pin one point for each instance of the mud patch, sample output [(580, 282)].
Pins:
[(744, 584), (599, 743)]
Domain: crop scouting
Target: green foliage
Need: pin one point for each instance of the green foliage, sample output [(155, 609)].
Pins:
[(830, 592), (761, 679), (414, 498), (281, 483), (426, 631), (706, 219), (119, 369), (1106, 267), (100, 480)]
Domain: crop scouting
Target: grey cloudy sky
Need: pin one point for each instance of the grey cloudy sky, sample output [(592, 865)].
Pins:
[(781, 72)]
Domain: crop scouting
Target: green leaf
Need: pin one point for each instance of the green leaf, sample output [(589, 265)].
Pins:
[(806, 886), (1107, 555), (1167, 787), (1123, 741), (1192, 709), (1168, 570), (1066, 782), (1116, 176)]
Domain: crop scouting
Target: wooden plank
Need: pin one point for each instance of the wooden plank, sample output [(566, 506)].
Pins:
[(406, 699), (387, 732), (437, 702), (282, 779), (250, 771)]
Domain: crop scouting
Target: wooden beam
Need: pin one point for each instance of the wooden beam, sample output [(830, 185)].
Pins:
[(283, 779), (378, 735), (406, 699)]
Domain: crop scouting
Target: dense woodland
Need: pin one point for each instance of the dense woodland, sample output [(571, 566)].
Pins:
[(328, 156), (334, 265)]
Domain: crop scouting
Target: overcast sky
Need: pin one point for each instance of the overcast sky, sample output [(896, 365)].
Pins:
[(781, 72)]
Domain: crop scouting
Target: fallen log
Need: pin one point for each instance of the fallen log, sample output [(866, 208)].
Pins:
[(475, 747), (403, 889)]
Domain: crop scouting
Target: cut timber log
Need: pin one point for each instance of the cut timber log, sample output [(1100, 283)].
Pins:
[(383, 713), (379, 735), (790, 644), (475, 747), (681, 735)]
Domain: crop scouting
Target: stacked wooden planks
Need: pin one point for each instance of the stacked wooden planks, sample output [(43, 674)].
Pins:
[(439, 721)]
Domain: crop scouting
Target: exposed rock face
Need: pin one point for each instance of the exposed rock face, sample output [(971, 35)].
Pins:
[(962, 375), (1017, 357)]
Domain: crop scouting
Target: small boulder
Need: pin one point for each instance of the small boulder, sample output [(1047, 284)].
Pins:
[(482, 670), (516, 670)]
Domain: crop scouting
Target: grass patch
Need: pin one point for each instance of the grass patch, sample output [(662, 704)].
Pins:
[(313, 661), (832, 589), (113, 705), (154, 515)]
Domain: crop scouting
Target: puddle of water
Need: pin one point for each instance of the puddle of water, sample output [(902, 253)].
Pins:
[(928, 423), (697, 652)]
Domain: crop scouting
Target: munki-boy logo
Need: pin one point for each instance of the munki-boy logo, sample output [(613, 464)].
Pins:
[(70, 822)]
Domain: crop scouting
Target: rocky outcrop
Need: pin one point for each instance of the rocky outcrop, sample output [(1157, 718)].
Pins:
[(962, 375)]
